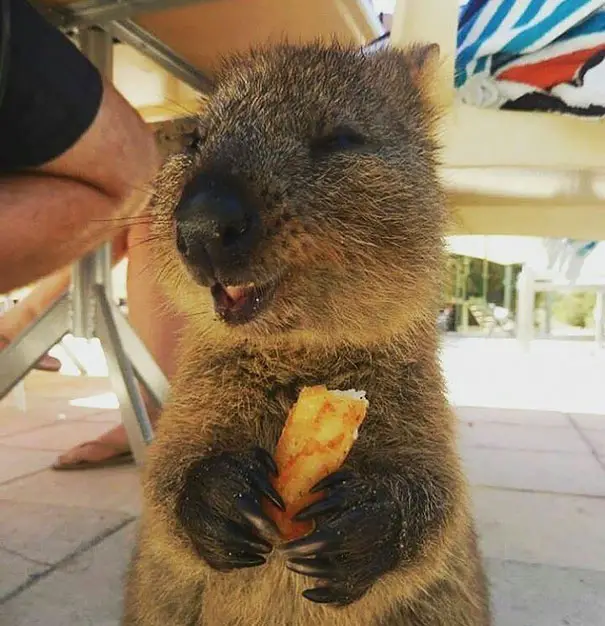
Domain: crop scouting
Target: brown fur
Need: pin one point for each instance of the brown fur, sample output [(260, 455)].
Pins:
[(357, 239)]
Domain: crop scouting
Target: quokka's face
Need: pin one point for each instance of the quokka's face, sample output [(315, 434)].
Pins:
[(308, 201)]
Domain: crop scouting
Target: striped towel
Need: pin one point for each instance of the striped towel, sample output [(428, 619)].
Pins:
[(536, 55), (544, 55)]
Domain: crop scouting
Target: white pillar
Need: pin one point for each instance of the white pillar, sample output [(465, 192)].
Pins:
[(599, 318), (525, 307)]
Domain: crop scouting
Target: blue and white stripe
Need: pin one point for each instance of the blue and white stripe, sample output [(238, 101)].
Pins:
[(496, 32)]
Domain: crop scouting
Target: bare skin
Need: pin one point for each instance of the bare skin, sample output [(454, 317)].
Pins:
[(78, 200)]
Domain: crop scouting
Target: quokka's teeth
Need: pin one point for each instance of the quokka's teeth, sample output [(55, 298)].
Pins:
[(236, 292)]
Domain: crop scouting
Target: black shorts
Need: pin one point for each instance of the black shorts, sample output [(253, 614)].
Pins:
[(52, 92)]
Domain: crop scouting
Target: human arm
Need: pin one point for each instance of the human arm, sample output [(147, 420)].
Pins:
[(76, 159)]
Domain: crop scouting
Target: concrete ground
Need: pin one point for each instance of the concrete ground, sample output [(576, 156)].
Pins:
[(532, 437)]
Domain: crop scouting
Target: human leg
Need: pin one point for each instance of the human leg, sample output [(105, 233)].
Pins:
[(157, 326)]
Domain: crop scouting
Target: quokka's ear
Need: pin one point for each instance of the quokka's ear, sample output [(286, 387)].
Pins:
[(424, 59), (417, 61)]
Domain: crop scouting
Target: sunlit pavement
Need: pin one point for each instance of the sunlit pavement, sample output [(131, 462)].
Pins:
[(532, 438)]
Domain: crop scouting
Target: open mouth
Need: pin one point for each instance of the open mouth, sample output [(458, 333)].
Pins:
[(240, 304)]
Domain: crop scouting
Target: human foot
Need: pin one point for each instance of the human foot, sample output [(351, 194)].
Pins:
[(92, 454), (46, 363), (109, 449)]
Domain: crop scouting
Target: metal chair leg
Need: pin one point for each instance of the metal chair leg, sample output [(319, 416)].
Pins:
[(145, 368), (121, 375), (73, 357), (20, 356), (127, 358)]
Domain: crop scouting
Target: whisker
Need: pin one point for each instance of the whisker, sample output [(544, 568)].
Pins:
[(180, 106), (128, 220), (145, 242)]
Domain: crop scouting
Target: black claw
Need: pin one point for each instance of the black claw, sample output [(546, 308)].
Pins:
[(247, 560), (327, 505), (331, 480), (259, 547), (267, 460), (266, 488), (321, 595), (311, 567), (244, 538), (253, 512), (305, 546)]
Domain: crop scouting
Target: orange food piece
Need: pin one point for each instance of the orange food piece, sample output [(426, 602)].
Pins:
[(319, 433)]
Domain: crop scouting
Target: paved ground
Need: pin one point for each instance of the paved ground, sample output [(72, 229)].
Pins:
[(532, 438)]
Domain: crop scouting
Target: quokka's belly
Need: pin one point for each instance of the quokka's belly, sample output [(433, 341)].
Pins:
[(271, 595)]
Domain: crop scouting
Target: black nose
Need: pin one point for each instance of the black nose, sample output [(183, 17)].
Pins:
[(217, 224)]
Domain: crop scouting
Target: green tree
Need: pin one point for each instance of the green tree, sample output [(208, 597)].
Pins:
[(574, 308)]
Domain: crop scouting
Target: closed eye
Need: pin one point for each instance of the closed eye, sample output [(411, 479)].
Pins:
[(340, 139)]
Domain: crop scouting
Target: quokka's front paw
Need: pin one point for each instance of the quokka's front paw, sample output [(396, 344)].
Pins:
[(220, 508), (356, 540)]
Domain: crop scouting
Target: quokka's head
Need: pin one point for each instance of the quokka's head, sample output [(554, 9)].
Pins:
[(309, 202)]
